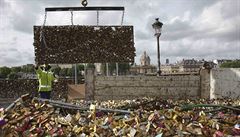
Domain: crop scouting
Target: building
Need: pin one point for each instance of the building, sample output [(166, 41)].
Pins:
[(167, 61), (186, 66), (190, 65), (145, 59), (170, 69), (145, 66)]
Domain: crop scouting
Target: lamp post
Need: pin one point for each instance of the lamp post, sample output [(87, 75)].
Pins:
[(157, 26)]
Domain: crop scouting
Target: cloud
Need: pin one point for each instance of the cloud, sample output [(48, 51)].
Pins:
[(16, 49), (192, 29), (178, 29), (23, 18), (14, 57), (9, 56), (230, 9), (214, 24), (27, 16)]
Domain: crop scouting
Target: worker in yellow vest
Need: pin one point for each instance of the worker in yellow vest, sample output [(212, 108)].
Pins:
[(45, 78)]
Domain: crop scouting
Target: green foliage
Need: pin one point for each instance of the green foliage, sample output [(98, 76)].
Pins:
[(12, 75), (103, 68), (56, 70), (231, 64), (28, 69), (124, 68), (63, 72), (112, 68), (4, 71), (66, 72), (16, 69), (80, 67), (90, 65), (70, 72)]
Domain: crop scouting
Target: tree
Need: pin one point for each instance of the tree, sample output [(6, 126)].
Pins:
[(124, 68), (80, 67), (90, 65), (111, 68), (4, 71), (103, 68), (63, 72), (16, 69), (29, 68), (56, 70), (231, 64), (12, 75), (70, 72)]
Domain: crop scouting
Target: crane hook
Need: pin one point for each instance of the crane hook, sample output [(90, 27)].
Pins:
[(84, 3)]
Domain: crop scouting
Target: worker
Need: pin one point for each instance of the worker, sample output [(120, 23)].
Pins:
[(45, 78)]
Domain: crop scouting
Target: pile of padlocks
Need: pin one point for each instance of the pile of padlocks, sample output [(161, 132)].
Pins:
[(126, 118)]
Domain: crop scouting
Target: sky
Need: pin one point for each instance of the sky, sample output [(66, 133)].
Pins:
[(199, 29)]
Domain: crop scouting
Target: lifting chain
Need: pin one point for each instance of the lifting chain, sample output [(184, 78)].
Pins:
[(44, 22), (42, 37), (84, 3), (45, 18), (97, 17), (71, 17), (122, 17)]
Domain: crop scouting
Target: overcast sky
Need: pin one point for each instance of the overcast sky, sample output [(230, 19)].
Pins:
[(200, 29)]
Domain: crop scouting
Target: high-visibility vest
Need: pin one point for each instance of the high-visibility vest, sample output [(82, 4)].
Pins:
[(45, 79)]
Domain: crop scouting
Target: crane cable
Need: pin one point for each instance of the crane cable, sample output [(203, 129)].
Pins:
[(42, 37)]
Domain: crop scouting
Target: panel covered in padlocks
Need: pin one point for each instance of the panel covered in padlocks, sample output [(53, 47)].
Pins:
[(84, 44)]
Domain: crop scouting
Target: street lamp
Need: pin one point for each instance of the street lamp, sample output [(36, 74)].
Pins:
[(157, 26)]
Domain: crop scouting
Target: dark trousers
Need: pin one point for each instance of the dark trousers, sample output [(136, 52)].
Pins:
[(45, 94)]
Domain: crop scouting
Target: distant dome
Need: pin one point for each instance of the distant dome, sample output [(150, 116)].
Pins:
[(145, 59)]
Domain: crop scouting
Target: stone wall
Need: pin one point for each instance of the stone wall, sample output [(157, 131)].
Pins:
[(215, 83), (16, 88), (129, 87), (225, 83)]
